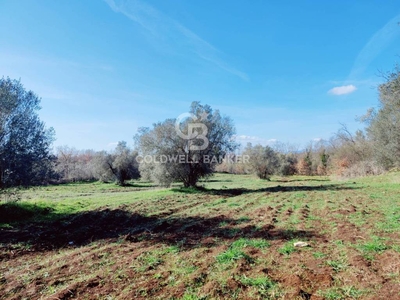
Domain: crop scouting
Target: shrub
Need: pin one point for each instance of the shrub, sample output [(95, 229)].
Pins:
[(363, 168)]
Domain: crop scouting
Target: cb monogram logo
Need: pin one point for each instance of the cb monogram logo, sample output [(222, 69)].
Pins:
[(192, 133)]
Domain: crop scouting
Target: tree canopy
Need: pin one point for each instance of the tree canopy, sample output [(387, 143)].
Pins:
[(25, 157), (263, 161), (187, 148)]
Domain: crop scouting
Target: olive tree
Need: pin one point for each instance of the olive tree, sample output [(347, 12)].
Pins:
[(120, 165), (25, 156), (123, 163), (187, 148), (263, 161)]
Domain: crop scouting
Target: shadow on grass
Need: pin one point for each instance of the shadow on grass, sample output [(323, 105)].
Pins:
[(87, 227), (137, 185), (231, 192), (42, 228), (215, 180), (301, 180), (127, 184), (21, 211)]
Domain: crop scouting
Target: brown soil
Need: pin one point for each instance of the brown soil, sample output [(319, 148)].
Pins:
[(106, 247)]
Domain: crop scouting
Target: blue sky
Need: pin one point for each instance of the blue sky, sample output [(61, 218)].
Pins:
[(283, 70)]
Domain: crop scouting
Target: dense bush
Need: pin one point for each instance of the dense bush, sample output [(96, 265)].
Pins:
[(363, 168), (287, 164)]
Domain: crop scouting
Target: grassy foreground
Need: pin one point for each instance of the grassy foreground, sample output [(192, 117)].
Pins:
[(232, 239)]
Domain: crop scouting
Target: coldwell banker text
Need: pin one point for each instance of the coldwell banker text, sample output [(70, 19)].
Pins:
[(184, 159)]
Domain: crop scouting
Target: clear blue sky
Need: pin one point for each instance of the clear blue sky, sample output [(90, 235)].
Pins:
[(283, 70)]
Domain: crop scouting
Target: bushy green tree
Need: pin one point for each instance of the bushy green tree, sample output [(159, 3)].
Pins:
[(187, 149), (25, 142), (287, 164)]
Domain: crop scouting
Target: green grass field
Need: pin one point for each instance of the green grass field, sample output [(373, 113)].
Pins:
[(233, 238)]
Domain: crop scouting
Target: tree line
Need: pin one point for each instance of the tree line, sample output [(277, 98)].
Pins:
[(188, 149)]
